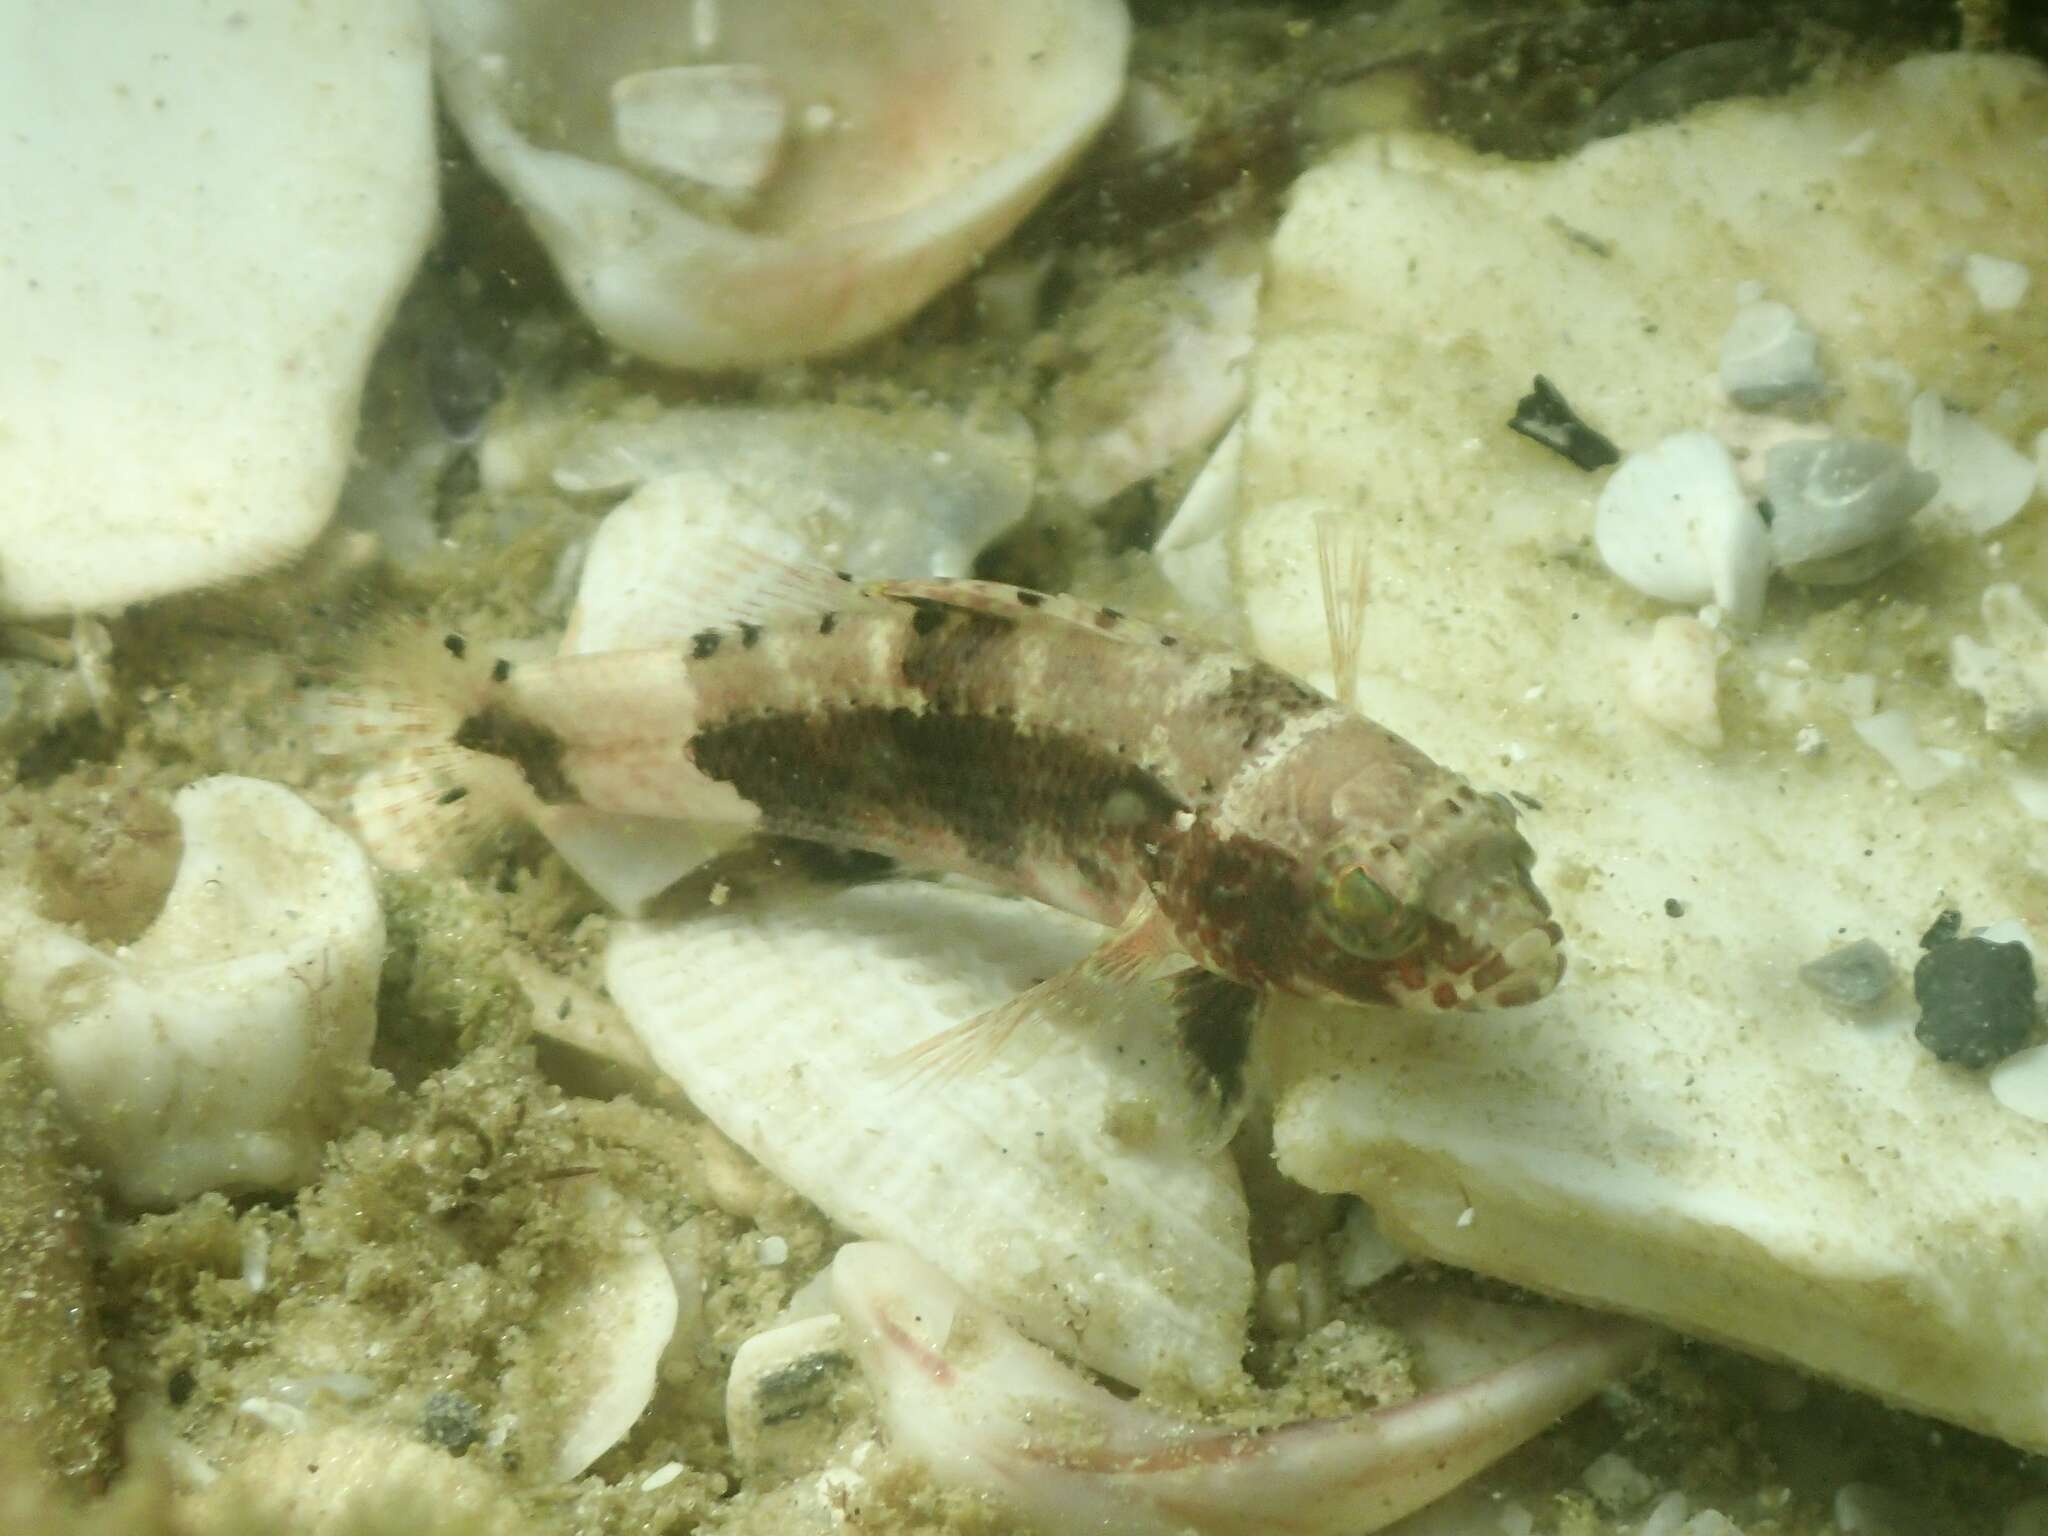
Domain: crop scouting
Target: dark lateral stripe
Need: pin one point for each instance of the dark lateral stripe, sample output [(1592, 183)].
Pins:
[(880, 778)]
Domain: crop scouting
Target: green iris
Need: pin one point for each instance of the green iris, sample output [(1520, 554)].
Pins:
[(1364, 917)]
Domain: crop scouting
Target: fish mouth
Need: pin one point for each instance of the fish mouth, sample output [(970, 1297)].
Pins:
[(1508, 975)]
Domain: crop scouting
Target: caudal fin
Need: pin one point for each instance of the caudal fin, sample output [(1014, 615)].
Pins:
[(423, 799)]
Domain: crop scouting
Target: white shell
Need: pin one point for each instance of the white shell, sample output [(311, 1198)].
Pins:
[(1769, 358), (1673, 523), (720, 124), (900, 493), (214, 1052), (598, 1336), (1984, 479), (780, 1025), (209, 221), (926, 130)]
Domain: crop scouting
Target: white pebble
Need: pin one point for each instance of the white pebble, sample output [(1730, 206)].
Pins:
[(1892, 737), (1617, 1483), (773, 1252), (1516, 1521), (1769, 358), (1673, 678), (1467, 1216), (256, 1259), (1999, 284), (1984, 479), (1809, 742), (1674, 523), (1710, 1522)]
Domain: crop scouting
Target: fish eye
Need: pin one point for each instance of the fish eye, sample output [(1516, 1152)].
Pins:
[(1364, 918)]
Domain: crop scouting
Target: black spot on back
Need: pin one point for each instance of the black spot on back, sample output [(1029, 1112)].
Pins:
[(750, 636), (455, 645), (1261, 699), (704, 644), (500, 670), (951, 649), (1030, 599), (827, 623)]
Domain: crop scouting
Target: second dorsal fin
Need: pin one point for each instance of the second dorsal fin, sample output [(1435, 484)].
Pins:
[(664, 566)]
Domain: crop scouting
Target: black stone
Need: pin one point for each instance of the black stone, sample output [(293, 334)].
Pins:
[(452, 1421), (1976, 1000)]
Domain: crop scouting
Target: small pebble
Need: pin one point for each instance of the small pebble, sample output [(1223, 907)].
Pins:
[(1854, 977), (1976, 1000), (1673, 907), (1674, 523), (773, 1252), (1617, 1484), (2020, 1083), (1998, 284), (1769, 358), (1864, 1509), (1831, 495), (1667, 1516), (452, 1421)]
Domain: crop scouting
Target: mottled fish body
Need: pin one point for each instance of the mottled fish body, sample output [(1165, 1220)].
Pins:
[(1068, 753)]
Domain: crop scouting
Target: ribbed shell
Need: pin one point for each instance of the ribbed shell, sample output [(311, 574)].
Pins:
[(780, 1023)]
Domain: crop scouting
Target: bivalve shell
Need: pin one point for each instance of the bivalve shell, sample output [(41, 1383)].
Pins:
[(923, 130), (1019, 1178)]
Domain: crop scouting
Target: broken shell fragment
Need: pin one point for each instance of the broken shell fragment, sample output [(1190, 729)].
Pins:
[(1673, 523), (598, 1336), (2010, 671), (720, 124), (1017, 1178), (985, 1410), (1984, 479), (924, 132), (1832, 495), (1769, 359), (217, 1050)]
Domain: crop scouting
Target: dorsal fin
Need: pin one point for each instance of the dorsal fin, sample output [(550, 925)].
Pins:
[(660, 571), (1340, 557), (1012, 602)]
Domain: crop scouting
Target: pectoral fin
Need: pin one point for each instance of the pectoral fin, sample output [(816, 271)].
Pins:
[(1178, 1033)]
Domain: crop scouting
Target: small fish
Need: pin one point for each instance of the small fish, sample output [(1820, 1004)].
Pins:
[(1244, 833)]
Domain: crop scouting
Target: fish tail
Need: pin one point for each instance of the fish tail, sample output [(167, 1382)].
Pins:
[(423, 799)]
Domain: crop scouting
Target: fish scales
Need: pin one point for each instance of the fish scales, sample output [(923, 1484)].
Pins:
[(1071, 754)]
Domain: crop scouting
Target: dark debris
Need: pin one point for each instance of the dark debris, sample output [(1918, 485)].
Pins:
[(1543, 416)]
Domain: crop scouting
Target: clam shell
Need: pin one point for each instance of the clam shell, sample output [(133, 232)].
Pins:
[(925, 129), (780, 1025), (1674, 523)]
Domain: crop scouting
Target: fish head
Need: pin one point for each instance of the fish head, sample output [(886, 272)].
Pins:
[(1442, 913)]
